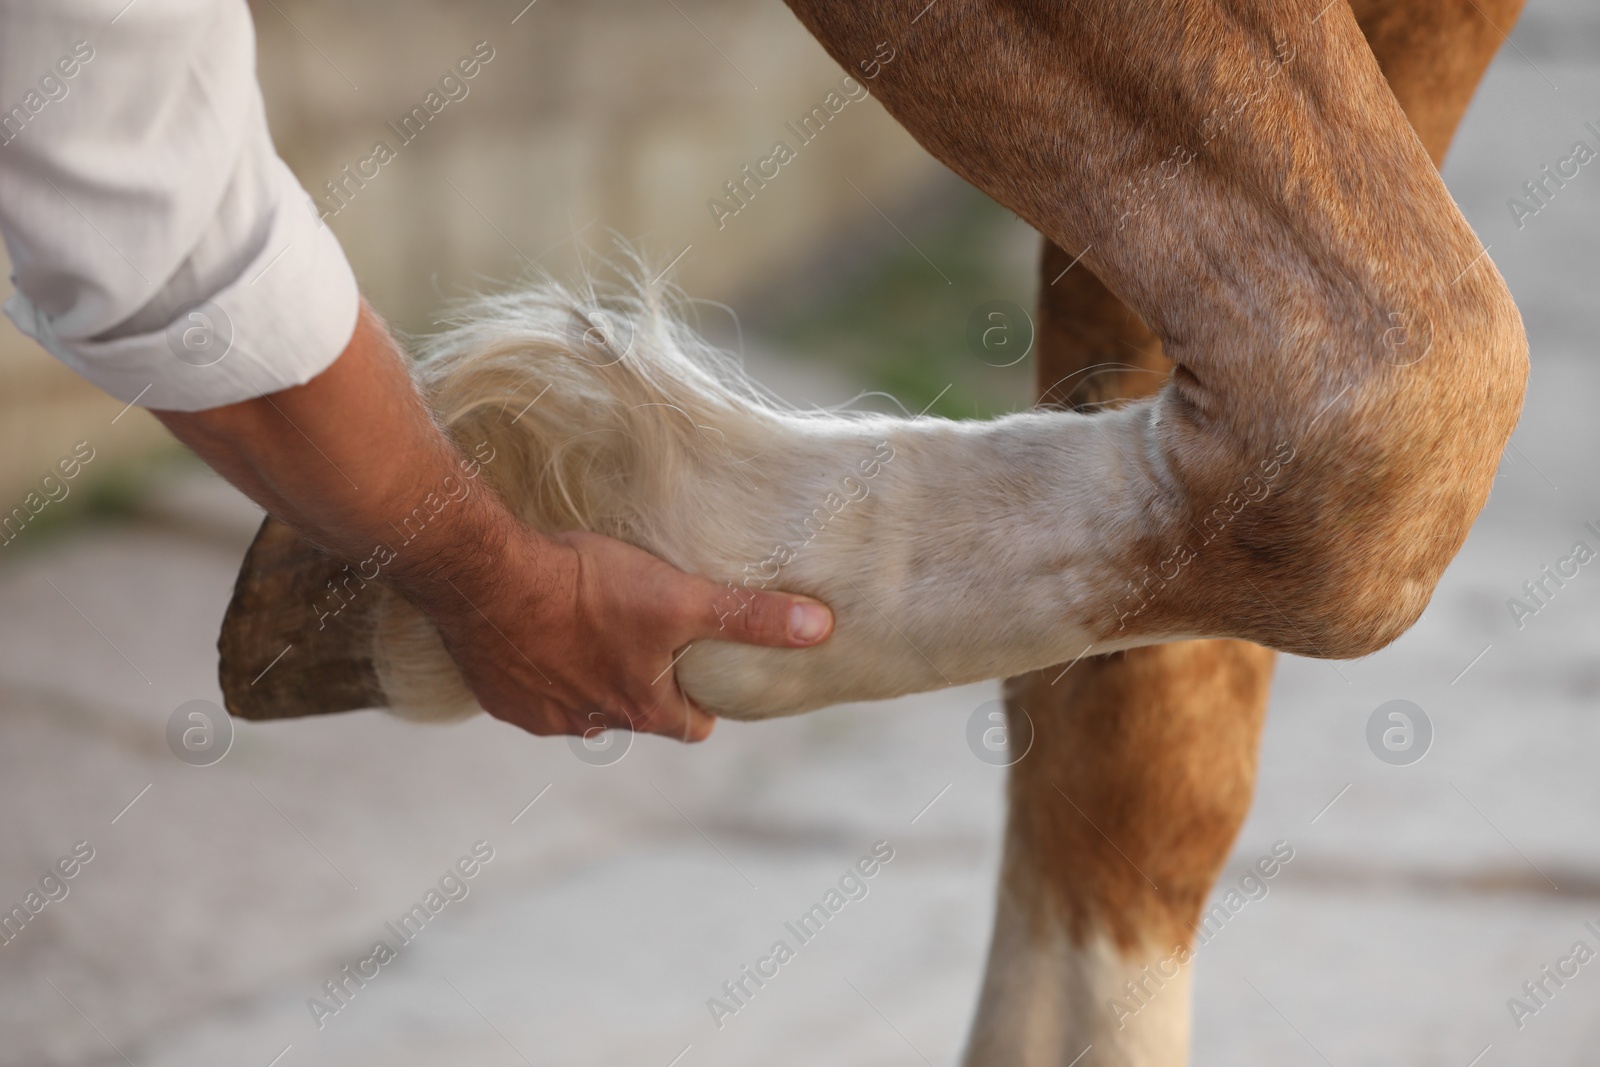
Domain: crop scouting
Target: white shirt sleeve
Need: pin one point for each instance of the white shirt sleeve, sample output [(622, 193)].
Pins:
[(159, 246)]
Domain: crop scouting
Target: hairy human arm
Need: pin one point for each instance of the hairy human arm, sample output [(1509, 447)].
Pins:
[(549, 631)]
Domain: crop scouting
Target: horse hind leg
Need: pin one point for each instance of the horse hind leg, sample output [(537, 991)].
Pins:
[(1143, 763), (1121, 816)]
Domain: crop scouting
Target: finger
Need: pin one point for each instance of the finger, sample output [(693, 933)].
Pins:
[(676, 716), (695, 725), (757, 617)]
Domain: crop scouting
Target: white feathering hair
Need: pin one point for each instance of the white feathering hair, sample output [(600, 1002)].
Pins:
[(607, 413)]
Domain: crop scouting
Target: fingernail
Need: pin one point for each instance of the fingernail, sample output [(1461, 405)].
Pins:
[(807, 622)]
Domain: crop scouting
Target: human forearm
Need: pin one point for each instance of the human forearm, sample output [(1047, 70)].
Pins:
[(345, 457)]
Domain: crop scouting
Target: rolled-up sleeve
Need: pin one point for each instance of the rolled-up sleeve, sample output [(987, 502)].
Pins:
[(159, 246)]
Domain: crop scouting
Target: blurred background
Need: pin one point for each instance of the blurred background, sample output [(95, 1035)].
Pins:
[(627, 886)]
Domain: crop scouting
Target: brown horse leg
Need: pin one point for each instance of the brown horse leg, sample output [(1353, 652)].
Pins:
[(1143, 762), (1141, 772)]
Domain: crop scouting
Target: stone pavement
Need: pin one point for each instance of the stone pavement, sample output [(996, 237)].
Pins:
[(219, 899)]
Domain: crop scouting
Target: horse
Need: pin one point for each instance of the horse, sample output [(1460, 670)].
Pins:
[(1276, 370)]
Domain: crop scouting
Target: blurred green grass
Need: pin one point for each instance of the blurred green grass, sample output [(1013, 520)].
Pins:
[(893, 311), (114, 492)]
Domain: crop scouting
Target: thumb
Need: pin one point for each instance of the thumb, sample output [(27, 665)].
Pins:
[(758, 617)]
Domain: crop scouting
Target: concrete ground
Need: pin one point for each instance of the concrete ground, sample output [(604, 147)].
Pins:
[(220, 898)]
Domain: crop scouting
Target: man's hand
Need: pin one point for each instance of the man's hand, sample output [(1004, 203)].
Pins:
[(555, 634), (598, 647)]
